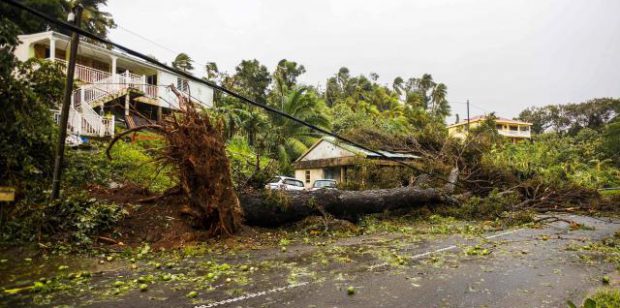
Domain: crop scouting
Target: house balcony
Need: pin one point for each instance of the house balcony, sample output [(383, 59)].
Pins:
[(515, 133), (106, 81)]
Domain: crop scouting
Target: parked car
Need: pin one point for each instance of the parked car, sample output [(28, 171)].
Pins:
[(323, 184), (285, 183)]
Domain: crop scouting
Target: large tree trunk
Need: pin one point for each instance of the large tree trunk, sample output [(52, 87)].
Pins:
[(273, 208)]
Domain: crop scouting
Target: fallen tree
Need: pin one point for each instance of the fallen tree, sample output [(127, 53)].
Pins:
[(274, 208), (196, 150)]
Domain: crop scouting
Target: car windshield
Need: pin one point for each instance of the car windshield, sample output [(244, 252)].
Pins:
[(324, 183), (294, 182), (275, 179)]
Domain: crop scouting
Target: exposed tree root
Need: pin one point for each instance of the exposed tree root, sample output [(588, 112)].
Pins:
[(196, 151)]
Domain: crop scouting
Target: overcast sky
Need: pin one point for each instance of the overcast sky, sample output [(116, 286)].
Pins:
[(501, 55)]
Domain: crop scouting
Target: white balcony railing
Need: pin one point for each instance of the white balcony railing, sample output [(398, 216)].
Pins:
[(85, 73), (515, 133), (127, 79)]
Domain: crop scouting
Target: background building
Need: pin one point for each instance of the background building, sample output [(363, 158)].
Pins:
[(513, 129)]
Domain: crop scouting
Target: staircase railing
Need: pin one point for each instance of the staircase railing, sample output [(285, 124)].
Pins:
[(85, 73), (83, 119)]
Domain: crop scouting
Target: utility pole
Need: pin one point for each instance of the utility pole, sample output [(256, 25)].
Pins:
[(75, 16), (467, 116)]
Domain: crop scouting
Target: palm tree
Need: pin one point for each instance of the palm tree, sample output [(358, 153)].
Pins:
[(212, 71), (291, 139), (398, 85), (183, 62), (425, 84), (438, 95), (233, 116), (93, 20)]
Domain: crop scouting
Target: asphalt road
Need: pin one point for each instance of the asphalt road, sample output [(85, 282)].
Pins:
[(521, 268)]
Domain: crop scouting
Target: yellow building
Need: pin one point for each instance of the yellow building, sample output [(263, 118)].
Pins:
[(513, 129)]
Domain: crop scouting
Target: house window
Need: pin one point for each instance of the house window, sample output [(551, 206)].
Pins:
[(514, 128), (182, 84), (525, 128), (307, 176), (499, 127), (331, 173)]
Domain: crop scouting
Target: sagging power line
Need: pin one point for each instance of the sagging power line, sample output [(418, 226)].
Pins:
[(232, 93)]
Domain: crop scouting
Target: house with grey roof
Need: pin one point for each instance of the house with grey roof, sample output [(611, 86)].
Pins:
[(331, 159)]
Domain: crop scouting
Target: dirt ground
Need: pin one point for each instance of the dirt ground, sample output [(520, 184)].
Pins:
[(435, 262)]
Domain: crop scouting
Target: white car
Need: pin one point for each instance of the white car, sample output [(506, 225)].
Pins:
[(323, 184), (285, 183)]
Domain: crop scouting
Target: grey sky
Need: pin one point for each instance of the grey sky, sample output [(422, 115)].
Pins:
[(502, 55)]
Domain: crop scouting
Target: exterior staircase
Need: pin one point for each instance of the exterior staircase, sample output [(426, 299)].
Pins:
[(102, 88)]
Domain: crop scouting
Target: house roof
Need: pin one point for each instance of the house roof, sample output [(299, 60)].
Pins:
[(85, 44), (357, 150), (483, 117)]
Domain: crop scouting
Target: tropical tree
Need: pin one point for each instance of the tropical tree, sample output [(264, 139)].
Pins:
[(252, 79), (287, 72), (425, 84), (212, 71), (398, 85), (289, 139), (183, 62), (94, 20), (28, 90), (440, 107), (285, 78)]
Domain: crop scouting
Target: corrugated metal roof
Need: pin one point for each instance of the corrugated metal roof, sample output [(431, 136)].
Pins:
[(360, 151)]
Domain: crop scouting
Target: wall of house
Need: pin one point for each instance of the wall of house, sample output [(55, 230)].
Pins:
[(24, 51), (506, 129), (315, 174), (199, 91)]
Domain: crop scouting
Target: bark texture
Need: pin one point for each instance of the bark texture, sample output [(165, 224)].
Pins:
[(273, 208)]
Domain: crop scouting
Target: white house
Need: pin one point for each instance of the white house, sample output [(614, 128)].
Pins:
[(110, 83), (330, 159)]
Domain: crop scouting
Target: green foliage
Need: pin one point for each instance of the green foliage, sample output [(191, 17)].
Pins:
[(607, 298), (558, 160), (76, 218), (367, 174), (94, 20), (183, 62), (571, 118), (490, 207), (611, 140), (28, 90), (246, 166), (132, 163)]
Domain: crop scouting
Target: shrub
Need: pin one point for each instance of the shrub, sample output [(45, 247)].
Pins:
[(490, 207), (76, 218), (130, 163)]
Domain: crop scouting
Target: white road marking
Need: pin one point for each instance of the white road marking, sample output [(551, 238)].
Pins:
[(252, 295), (448, 248), (291, 286)]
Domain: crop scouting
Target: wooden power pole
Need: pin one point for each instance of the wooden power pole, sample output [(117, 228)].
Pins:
[(468, 117), (76, 15)]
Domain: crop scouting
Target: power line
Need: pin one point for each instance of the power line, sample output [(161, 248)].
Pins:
[(170, 50), (234, 94)]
